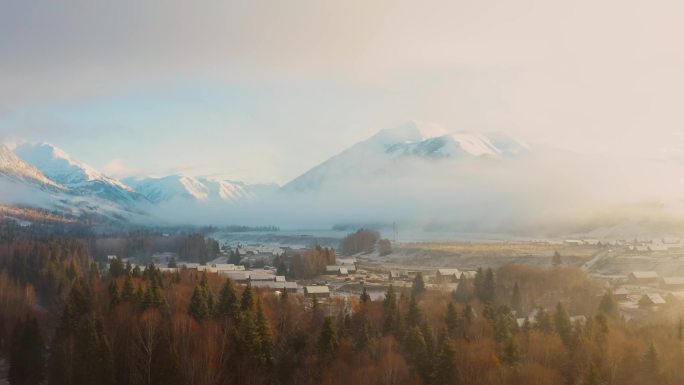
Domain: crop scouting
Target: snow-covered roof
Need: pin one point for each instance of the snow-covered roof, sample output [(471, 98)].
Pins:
[(317, 289), (673, 280), (655, 298), (645, 275), (455, 272)]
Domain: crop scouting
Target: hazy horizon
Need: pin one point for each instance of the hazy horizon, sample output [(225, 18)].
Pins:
[(265, 95)]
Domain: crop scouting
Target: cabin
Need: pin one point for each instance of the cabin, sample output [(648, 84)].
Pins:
[(261, 277), (644, 277), (673, 283), (237, 276), (448, 275), (290, 287), (621, 294), (651, 300), (339, 270), (318, 291)]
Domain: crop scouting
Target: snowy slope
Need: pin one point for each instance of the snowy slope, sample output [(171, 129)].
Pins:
[(181, 187), (12, 167), (78, 177), (390, 152)]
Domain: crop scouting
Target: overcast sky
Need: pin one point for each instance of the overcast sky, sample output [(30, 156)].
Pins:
[(263, 90)]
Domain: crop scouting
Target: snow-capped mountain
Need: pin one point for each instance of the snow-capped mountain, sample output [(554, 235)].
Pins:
[(390, 151), (202, 189), (78, 177), (14, 168)]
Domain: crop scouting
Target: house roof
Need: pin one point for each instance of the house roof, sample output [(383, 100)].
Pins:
[(455, 272), (317, 289), (655, 298), (645, 274), (261, 277), (673, 280)]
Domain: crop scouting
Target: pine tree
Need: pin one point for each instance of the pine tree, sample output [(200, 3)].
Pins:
[(227, 305), (248, 336), (464, 290), (489, 287), (365, 297), (478, 284), (562, 324), (415, 348), (114, 296), (556, 260), (418, 286), (413, 314), (198, 308), (265, 336), (327, 340), (608, 306), (282, 269), (172, 263), (511, 353), (116, 268), (516, 300), (445, 364), (544, 322), (247, 301), (651, 363), (390, 298), (451, 319), (128, 290)]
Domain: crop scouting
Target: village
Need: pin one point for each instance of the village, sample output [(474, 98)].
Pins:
[(637, 293)]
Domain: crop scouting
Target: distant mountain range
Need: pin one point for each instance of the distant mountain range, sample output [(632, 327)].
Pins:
[(43, 176), (463, 182)]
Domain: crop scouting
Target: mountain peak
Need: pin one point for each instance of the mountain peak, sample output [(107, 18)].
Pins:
[(59, 166)]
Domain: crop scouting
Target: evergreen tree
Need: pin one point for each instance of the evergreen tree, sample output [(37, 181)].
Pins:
[(562, 324), (116, 267), (26, 353), (468, 314), (464, 290), (365, 297), (511, 353), (227, 305), (489, 287), (198, 307), (390, 298), (544, 322), (327, 340), (247, 301), (173, 264), (265, 337), (516, 300), (282, 269), (608, 306), (416, 349), (445, 364), (128, 290), (556, 260), (413, 315), (651, 363), (248, 336), (234, 257), (451, 319), (418, 286), (114, 296), (478, 284)]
